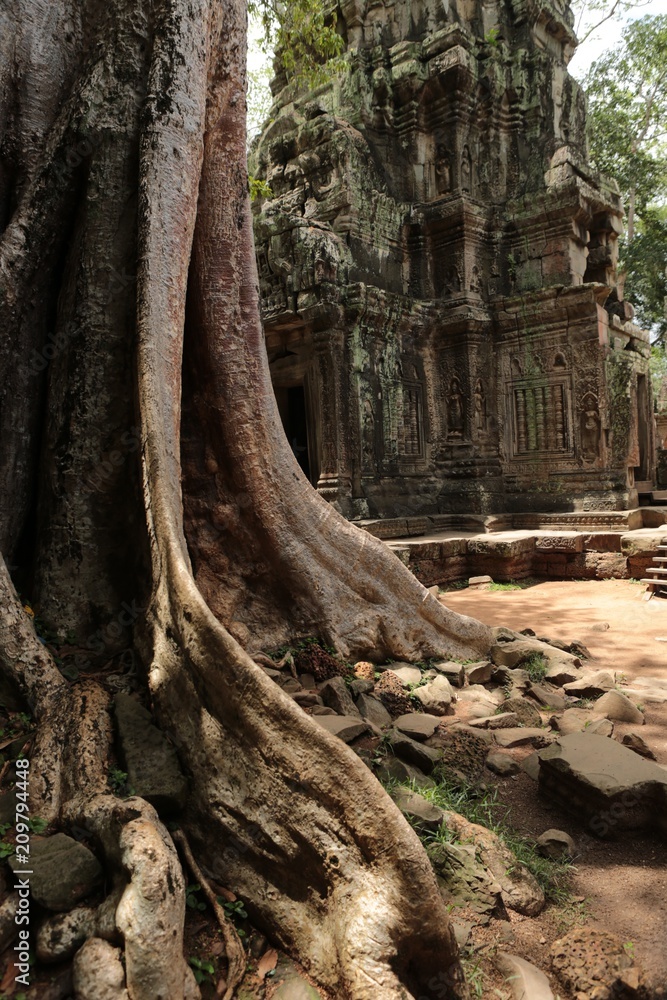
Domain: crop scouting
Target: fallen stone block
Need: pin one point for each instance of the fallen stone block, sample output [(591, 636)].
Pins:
[(521, 737), (556, 844), (502, 764), (635, 742), (608, 784), (519, 889), (373, 710), (478, 673), (436, 696), (423, 815), (616, 705), (506, 720), (590, 685), (423, 757), (151, 762), (392, 769), (417, 725), (345, 727), (593, 963), (334, 693), (64, 871), (454, 672)]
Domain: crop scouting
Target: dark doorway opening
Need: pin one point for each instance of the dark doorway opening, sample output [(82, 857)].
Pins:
[(292, 406), (643, 471)]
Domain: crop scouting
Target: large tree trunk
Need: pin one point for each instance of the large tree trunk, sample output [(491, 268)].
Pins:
[(125, 190)]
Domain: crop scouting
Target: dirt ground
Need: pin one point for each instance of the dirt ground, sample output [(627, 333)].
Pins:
[(622, 883)]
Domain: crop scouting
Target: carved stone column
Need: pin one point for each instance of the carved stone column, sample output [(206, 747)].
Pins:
[(335, 482)]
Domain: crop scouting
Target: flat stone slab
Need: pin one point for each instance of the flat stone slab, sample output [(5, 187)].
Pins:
[(609, 784), (393, 769), (425, 758), (417, 725), (151, 762), (506, 720), (422, 814), (436, 696), (345, 727), (453, 671), (373, 710), (63, 871), (407, 674), (525, 980), (590, 685), (502, 764), (479, 673), (520, 737)]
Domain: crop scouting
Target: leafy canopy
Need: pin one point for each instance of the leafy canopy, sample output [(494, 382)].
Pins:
[(627, 125)]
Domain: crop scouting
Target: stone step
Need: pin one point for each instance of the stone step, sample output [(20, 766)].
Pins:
[(644, 486), (658, 495)]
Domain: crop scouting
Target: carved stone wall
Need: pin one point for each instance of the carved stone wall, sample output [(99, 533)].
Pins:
[(437, 268)]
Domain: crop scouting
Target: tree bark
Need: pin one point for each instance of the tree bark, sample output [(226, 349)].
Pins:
[(149, 463)]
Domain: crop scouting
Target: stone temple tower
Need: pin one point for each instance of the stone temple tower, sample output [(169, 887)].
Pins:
[(437, 266)]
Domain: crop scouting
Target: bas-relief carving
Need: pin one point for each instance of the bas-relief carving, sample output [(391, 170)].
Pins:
[(443, 172), (455, 411), (590, 428), (449, 262)]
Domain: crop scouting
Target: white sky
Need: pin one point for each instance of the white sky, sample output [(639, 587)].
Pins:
[(607, 36)]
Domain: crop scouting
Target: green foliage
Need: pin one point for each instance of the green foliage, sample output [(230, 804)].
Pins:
[(258, 188), (536, 667), (203, 969), (236, 910), (644, 260), (37, 825), (117, 780), (627, 127), (658, 369), (192, 899), (304, 36)]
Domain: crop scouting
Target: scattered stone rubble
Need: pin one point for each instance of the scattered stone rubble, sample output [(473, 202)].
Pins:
[(416, 725)]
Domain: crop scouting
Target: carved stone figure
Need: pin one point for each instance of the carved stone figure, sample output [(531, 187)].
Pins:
[(466, 170), (590, 428), (368, 437), (455, 410), (443, 172), (479, 414)]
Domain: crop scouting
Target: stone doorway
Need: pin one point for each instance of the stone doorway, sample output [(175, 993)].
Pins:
[(293, 409), (644, 471)]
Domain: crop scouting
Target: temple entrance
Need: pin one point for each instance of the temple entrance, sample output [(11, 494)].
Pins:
[(643, 471), (293, 413)]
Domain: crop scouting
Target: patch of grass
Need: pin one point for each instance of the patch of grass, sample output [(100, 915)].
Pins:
[(482, 806), (536, 667)]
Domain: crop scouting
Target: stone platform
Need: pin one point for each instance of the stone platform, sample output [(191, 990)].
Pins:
[(444, 548)]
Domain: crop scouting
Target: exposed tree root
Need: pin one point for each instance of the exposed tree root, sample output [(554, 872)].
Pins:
[(236, 957)]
